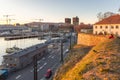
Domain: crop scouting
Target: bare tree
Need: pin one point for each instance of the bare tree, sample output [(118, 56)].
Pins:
[(108, 14), (102, 16)]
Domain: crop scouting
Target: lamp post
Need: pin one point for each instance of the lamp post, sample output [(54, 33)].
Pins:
[(61, 60), (35, 67), (61, 54), (70, 41)]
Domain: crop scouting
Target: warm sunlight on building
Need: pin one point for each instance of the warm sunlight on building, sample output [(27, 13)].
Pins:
[(110, 25)]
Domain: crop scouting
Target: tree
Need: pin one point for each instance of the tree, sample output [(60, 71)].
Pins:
[(108, 14), (102, 16)]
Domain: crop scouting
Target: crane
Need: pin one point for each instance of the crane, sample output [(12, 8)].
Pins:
[(7, 18), (39, 20)]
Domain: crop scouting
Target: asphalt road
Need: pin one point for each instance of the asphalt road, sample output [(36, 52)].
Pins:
[(51, 60)]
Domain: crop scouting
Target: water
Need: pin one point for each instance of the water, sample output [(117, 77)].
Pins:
[(21, 43)]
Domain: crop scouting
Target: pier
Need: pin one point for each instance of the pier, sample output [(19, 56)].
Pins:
[(21, 37)]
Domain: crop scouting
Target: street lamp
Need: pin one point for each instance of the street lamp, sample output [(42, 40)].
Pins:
[(70, 40), (61, 60), (61, 55), (35, 67)]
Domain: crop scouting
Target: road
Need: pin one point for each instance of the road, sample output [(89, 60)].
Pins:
[(51, 60)]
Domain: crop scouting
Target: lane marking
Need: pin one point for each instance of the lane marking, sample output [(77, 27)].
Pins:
[(54, 66), (41, 67), (18, 76), (49, 56), (52, 57), (38, 61), (45, 63), (43, 78), (32, 70), (43, 58)]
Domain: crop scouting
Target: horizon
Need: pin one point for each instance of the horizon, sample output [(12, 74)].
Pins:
[(22, 11)]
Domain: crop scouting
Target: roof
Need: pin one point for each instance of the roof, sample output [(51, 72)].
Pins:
[(114, 19), (83, 26), (26, 51)]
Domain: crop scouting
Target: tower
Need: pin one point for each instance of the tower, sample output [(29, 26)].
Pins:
[(75, 20)]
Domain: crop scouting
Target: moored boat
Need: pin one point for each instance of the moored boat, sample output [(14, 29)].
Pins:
[(13, 49)]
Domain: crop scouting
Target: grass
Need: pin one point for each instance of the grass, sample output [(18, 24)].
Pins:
[(74, 56), (101, 63)]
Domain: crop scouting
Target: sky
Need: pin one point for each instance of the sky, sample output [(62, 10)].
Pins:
[(24, 11)]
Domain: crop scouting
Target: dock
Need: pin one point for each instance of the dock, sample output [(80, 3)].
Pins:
[(21, 37)]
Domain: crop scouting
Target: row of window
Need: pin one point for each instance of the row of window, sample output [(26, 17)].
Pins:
[(112, 27), (96, 32)]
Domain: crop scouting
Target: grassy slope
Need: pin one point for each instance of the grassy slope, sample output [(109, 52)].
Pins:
[(101, 63), (74, 56)]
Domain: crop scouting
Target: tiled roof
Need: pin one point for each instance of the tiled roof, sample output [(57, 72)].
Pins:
[(83, 26), (115, 19)]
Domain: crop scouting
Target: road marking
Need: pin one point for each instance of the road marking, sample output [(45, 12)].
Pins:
[(31, 70), (54, 66), (44, 63), (43, 78), (49, 56), (43, 58), (52, 52), (38, 62), (52, 57), (42, 67), (18, 76)]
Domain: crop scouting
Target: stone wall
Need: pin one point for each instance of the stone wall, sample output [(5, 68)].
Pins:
[(90, 39)]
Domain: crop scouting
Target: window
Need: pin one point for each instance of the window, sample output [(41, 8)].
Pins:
[(10, 58), (10, 64), (95, 32), (39, 54), (117, 27), (112, 27), (14, 64), (15, 59), (96, 27), (101, 27), (6, 58), (106, 27), (116, 33)]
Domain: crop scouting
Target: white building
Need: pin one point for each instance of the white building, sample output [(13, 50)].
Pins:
[(110, 25)]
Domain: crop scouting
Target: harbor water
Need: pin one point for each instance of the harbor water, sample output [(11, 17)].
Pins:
[(21, 43)]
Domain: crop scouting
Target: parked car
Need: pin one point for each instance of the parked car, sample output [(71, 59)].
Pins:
[(3, 74), (48, 73)]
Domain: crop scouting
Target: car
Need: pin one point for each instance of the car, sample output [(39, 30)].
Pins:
[(67, 50), (48, 73)]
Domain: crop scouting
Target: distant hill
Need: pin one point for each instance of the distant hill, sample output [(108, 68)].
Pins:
[(101, 63)]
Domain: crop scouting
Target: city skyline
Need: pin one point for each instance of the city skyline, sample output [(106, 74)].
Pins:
[(23, 11)]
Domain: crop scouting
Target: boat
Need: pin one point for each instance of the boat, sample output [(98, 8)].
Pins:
[(13, 49)]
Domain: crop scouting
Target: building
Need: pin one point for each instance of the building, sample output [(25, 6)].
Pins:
[(11, 30), (68, 20), (110, 25), (84, 28), (43, 26), (24, 57), (66, 28), (75, 20)]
